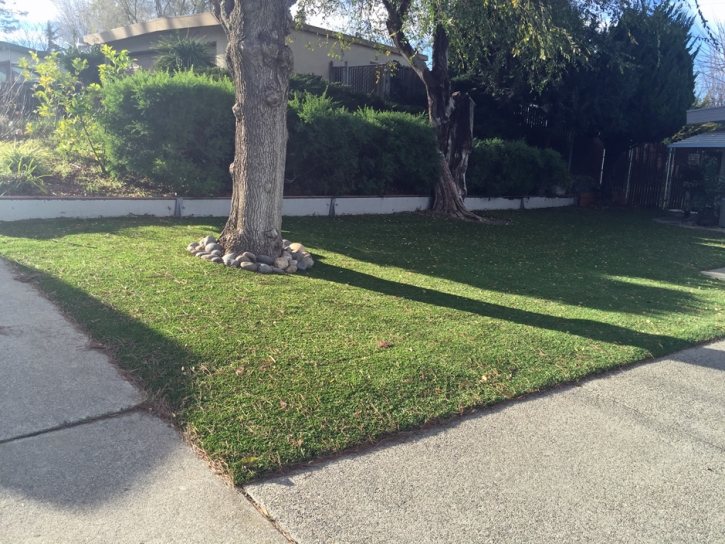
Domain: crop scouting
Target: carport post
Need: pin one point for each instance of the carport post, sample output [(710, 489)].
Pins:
[(629, 176), (668, 179)]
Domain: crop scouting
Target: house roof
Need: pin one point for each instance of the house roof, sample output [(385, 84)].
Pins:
[(7, 46), (706, 115), (710, 140), (199, 20)]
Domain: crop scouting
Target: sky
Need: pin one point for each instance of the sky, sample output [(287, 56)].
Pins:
[(41, 11)]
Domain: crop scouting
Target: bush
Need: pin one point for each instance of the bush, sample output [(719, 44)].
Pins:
[(175, 129), (178, 131), (332, 151), (512, 168)]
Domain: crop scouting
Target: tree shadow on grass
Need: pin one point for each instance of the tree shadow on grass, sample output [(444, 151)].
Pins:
[(620, 263), (593, 330), (92, 464)]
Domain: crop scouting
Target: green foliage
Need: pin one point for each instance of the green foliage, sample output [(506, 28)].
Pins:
[(344, 95), (512, 168), (635, 85), (93, 57), (176, 129), (332, 151), (22, 169), (176, 52), (75, 107)]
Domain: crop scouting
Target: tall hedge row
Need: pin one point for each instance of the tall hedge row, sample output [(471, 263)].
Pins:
[(178, 130)]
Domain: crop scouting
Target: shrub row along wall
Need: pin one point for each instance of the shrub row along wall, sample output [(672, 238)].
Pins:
[(21, 208), (178, 130)]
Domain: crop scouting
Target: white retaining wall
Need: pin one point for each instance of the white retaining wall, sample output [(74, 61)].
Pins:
[(19, 208)]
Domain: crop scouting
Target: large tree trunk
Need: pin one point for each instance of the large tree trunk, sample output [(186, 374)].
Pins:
[(260, 63), (450, 114)]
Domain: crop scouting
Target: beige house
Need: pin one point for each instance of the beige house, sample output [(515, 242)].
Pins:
[(10, 55), (316, 50)]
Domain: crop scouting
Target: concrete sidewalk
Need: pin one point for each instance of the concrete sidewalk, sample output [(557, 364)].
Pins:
[(80, 463), (635, 456)]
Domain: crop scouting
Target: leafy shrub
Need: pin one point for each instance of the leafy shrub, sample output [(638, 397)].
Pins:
[(176, 129), (332, 151), (512, 168)]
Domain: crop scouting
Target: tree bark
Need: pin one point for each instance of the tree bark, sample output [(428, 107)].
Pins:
[(450, 114), (260, 63)]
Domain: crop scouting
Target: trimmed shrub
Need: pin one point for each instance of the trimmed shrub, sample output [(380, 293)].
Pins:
[(332, 151), (176, 129), (512, 168)]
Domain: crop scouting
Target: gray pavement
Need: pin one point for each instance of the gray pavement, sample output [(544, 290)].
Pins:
[(635, 456), (79, 464)]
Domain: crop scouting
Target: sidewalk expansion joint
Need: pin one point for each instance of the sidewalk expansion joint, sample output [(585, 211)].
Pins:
[(85, 421), (651, 417)]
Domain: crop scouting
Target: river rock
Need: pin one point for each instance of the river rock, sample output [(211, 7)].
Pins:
[(208, 256), (252, 267), (286, 255), (217, 253), (308, 262), (217, 260), (208, 240), (264, 268), (192, 246), (301, 266), (265, 260), (296, 248), (277, 270), (291, 269), (285, 243), (228, 259), (281, 262), (233, 264), (251, 256), (213, 247), (243, 259)]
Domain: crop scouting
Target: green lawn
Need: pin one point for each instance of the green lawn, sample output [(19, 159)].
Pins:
[(266, 371)]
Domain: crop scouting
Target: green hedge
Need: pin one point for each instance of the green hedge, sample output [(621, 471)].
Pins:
[(175, 129), (332, 151), (512, 168), (178, 130)]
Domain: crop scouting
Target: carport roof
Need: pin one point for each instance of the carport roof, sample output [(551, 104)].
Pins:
[(706, 140)]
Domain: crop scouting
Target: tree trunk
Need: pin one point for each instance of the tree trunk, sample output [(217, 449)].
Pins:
[(450, 114), (260, 64)]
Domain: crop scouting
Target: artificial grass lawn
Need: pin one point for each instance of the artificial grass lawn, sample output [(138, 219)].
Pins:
[(265, 371)]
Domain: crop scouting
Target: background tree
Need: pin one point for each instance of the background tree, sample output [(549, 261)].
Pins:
[(81, 17), (260, 63), (9, 16), (474, 32)]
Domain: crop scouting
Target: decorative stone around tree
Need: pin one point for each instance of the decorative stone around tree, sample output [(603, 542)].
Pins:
[(294, 257)]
